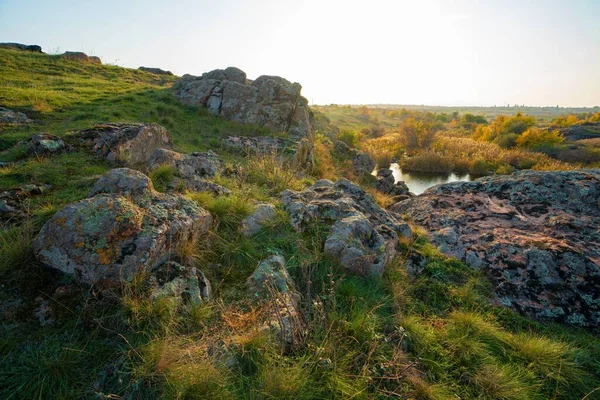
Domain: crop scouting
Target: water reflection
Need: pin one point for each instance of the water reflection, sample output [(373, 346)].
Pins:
[(418, 182)]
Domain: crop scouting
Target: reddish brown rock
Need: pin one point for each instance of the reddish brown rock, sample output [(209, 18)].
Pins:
[(536, 235)]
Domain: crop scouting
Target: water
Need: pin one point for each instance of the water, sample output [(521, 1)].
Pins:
[(418, 182)]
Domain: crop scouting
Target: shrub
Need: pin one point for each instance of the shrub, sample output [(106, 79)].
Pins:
[(428, 161), (351, 138), (535, 137)]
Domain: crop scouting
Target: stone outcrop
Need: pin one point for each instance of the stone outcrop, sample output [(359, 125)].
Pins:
[(362, 162), (156, 71), (124, 227), (363, 236), (271, 284), (125, 144), (534, 233), (10, 117), (18, 46), (81, 57), (269, 101)]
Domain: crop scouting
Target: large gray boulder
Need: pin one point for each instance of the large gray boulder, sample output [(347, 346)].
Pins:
[(269, 101), (125, 144), (535, 234), (125, 227), (363, 236)]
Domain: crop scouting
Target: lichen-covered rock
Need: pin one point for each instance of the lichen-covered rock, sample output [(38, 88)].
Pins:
[(534, 233), (271, 284), (45, 144), (262, 214), (363, 236), (125, 228), (125, 144), (184, 284), (81, 57), (10, 117), (156, 71)]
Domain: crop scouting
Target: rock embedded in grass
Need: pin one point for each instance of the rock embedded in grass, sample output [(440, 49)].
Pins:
[(81, 57), (535, 234), (126, 227), (363, 236), (10, 117), (125, 144), (263, 213), (271, 284), (45, 144)]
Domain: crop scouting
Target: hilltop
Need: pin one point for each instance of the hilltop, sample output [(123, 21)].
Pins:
[(214, 237)]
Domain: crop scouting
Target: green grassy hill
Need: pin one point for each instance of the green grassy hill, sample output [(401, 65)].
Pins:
[(436, 336)]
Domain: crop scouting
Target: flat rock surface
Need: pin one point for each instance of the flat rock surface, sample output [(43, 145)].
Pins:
[(535, 233)]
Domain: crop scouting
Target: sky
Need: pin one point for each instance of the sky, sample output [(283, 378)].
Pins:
[(432, 52)]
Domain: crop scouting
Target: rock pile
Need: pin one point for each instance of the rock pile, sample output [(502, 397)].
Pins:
[(363, 236), (534, 233), (124, 227)]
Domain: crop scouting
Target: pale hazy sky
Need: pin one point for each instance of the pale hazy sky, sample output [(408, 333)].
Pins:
[(444, 52)]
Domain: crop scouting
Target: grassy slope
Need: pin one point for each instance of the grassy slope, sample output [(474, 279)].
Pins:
[(435, 337)]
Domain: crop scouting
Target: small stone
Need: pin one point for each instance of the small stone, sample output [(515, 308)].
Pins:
[(263, 213)]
